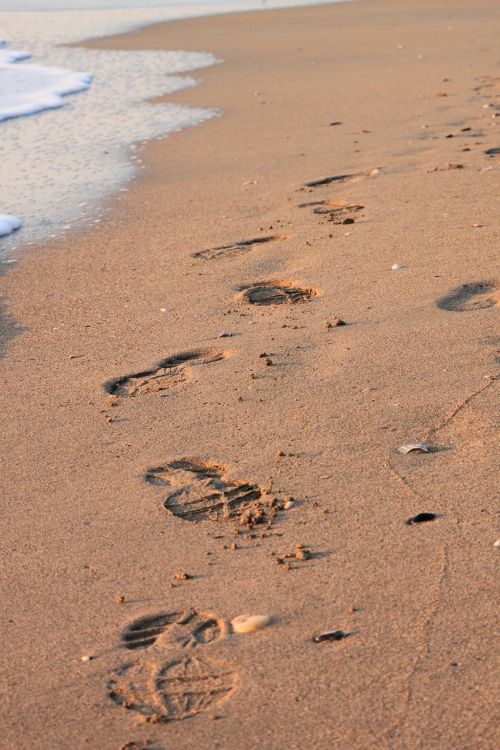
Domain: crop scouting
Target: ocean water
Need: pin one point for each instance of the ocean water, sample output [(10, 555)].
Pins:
[(73, 120)]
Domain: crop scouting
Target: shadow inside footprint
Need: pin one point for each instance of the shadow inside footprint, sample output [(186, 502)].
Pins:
[(162, 376), (329, 180), (274, 293), (467, 297), (144, 632), (237, 248), (179, 629)]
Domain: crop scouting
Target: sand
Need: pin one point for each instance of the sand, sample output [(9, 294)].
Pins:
[(188, 494)]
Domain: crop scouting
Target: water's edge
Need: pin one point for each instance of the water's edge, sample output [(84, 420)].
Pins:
[(55, 190)]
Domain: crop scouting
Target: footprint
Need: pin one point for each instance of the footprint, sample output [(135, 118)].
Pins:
[(487, 82), (467, 297), (186, 629), (165, 684), (201, 491), (162, 376), (337, 211), (274, 292), (175, 690), (237, 248)]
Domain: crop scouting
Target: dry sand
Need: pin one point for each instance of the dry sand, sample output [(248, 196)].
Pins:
[(320, 423)]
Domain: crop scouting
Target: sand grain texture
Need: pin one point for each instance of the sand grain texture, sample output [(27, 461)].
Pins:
[(293, 408)]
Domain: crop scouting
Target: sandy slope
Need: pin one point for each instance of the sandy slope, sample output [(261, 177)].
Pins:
[(321, 423)]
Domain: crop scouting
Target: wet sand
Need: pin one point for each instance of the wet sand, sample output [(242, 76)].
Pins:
[(152, 469)]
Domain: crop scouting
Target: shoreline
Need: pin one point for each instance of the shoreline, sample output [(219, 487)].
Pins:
[(321, 422), (66, 49)]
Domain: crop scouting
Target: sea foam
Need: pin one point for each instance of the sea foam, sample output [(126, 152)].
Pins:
[(27, 89), (60, 165), (8, 224)]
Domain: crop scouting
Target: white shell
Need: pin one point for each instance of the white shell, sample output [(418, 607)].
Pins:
[(414, 447), (497, 543), (249, 623), (396, 267)]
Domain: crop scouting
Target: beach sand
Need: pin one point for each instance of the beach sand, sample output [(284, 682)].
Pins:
[(188, 466)]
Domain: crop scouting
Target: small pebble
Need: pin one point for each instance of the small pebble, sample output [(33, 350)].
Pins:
[(249, 623), (332, 635), (86, 658), (289, 504), (334, 323), (497, 543), (302, 553), (181, 575), (395, 267)]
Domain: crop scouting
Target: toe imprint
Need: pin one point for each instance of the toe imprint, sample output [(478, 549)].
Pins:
[(144, 631), (180, 629)]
